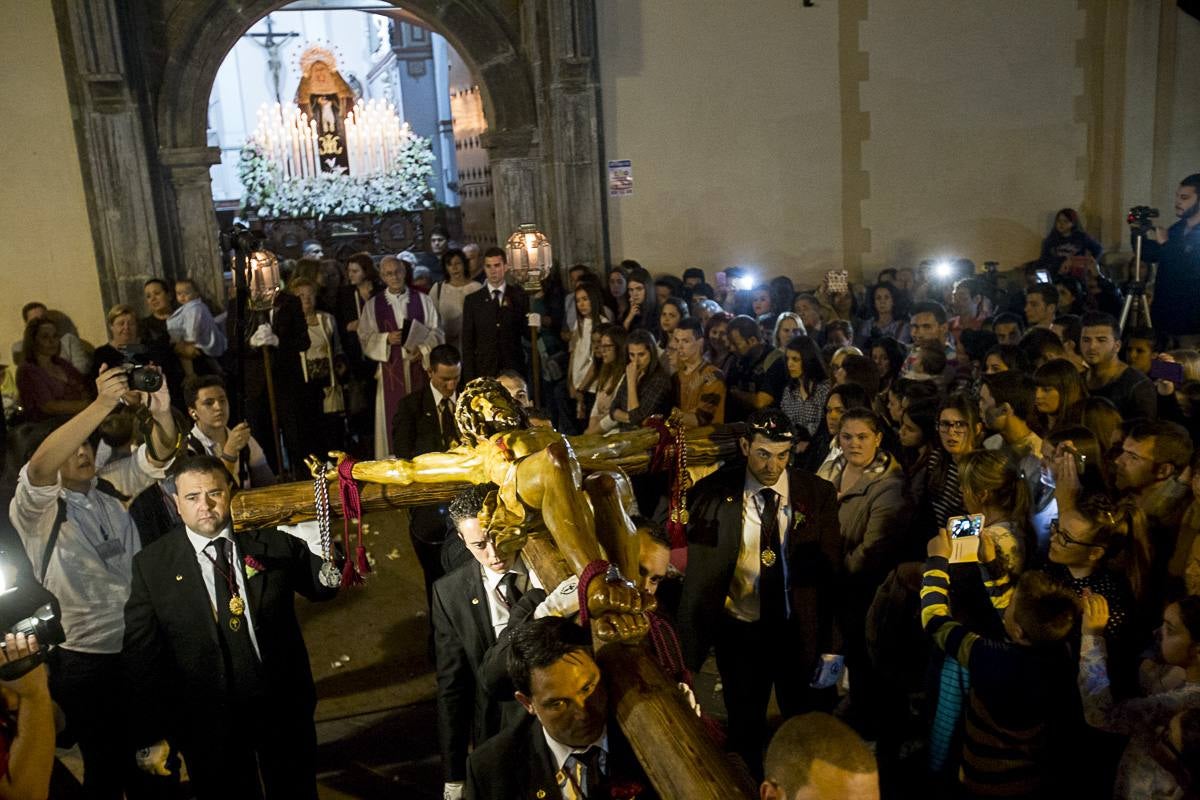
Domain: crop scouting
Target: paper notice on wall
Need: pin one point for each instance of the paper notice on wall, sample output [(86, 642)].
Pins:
[(620, 178)]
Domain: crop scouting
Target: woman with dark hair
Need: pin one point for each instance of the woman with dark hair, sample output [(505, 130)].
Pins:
[(803, 398), (1003, 357), (672, 310), (590, 316), (449, 293), (888, 355), (618, 289), (919, 440), (858, 369), (1142, 719), (643, 309), (610, 373), (160, 303), (888, 316), (1072, 297), (959, 431), (1102, 418), (716, 342), (1067, 240), (872, 517), (647, 387), (48, 384), (824, 447), (1060, 394), (783, 291)]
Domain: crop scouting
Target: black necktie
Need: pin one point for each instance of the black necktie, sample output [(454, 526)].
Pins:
[(510, 591), (585, 770), (496, 295), (772, 606), (447, 421), (241, 662)]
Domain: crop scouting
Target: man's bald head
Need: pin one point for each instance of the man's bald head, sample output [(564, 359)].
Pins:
[(816, 757)]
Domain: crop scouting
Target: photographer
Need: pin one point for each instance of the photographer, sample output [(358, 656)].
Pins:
[(1177, 279), (81, 540)]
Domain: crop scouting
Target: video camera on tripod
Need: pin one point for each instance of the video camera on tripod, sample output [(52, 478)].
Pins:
[(1141, 225), (1139, 219)]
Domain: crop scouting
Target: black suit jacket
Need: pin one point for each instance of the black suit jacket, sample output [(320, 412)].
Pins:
[(172, 656), (814, 559), (415, 431), (516, 764), (462, 630), (493, 339)]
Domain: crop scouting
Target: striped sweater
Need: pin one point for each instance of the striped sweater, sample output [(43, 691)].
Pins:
[(1017, 695)]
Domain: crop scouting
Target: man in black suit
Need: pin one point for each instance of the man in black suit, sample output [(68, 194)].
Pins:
[(565, 747), (495, 323), (214, 653), (764, 550), (471, 607), (424, 423)]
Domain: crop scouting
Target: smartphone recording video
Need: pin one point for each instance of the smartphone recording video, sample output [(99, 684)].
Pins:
[(964, 538)]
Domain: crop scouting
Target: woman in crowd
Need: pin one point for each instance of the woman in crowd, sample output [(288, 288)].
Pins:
[(960, 432), (1140, 775), (787, 326), (448, 294), (803, 399), (888, 356), (1067, 240), (872, 515), (647, 387), (919, 441), (1060, 394), (208, 406), (1003, 357), (860, 370), (323, 368), (363, 282), (643, 311), (760, 300), (47, 383), (1101, 417), (160, 304), (992, 485), (610, 375), (590, 317), (1072, 297), (122, 333), (618, 288), (824, 446), (783, 292), (889, 317), (716, 342), (672, 310)]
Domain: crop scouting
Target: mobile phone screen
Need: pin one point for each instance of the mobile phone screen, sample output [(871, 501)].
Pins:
[(964, 538)]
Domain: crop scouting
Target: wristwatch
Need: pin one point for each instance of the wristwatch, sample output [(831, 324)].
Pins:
[(230, 458)]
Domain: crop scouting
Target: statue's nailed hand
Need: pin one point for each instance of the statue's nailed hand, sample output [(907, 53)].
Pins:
[(617, 610)]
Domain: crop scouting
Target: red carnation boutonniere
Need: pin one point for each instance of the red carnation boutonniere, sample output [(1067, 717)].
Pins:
[(253, 567), (626, 790)]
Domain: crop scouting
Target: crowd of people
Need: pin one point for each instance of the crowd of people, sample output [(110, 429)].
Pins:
[(964, 520)]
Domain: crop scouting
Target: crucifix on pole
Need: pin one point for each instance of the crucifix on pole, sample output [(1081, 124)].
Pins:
[(273, 43)]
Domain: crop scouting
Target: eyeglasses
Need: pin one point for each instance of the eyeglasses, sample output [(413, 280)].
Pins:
[(1060, 533), (958, 425)]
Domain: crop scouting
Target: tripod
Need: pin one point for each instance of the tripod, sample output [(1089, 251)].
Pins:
[(1136, 310)]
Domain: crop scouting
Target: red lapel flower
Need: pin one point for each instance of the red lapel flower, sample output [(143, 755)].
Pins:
[(253, 567), (626, 790)]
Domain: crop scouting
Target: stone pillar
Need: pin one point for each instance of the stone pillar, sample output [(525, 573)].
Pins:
[(112, 148), (516, 164), (190, 208), (574, 154)]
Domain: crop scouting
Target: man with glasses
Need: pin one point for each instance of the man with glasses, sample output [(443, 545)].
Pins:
[(1148, 469)]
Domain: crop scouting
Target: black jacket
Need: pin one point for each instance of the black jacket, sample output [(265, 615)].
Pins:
[(814, 560), (493, 339), (171, 650), (416, 431)]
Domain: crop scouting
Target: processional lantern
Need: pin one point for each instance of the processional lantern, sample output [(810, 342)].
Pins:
[(529, 257), (262, 279)]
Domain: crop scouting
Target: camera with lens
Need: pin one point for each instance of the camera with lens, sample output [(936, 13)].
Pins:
[(136, 365), (1139, 219), (29, 608)]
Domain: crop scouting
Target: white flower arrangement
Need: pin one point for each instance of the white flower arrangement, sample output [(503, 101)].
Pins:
[(403, 188)]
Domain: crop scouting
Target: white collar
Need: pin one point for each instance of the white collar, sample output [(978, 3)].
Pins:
[(199, 541), (492, 289), (438, 397), (561, 751), (492, 579), (753, 487)]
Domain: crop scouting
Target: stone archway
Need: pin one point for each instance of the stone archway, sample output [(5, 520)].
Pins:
[(533, 59)]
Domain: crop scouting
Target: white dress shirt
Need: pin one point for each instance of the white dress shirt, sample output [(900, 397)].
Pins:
[(498, 611), (561, 752), (491, 290), (205, 557), (742, 602)]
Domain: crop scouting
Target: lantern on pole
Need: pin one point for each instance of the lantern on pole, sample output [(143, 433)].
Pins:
[(529, 257), (529, 261), (262, 280)]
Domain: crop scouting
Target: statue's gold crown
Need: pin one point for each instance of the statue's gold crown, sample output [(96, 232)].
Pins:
[(314, 53)]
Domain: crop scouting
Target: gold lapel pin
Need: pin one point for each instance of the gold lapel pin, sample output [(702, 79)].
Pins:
[(474, 601), (178, 577), (542, 792)]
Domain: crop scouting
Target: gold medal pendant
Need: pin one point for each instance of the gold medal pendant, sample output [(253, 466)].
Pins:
[(235, 624), (236, 606), (767, 557), (684, 516)]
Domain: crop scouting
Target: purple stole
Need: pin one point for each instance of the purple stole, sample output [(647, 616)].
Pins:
[(393, 369)]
